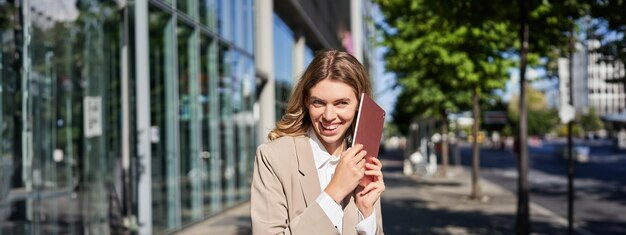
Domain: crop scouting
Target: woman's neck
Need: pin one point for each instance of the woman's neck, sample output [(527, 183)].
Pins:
[(335, 149)]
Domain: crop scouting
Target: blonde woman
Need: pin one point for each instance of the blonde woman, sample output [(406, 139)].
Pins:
[(306, 180)]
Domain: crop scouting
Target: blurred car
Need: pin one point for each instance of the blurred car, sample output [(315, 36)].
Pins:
[(581, 153)]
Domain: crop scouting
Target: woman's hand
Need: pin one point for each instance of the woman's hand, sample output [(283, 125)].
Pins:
[(348, 173), (365, 197)]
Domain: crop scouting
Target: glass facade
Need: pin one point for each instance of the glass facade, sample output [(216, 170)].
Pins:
[(283, 63), (60, 141), (63, 147)]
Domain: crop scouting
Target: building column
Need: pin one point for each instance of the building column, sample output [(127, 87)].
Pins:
[(264, 62), (298, 56), (356, 28), (142, 76)]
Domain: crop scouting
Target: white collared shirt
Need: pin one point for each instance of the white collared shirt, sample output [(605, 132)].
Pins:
[(326, 165)]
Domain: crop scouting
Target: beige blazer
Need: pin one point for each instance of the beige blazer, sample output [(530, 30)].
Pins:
[(284, 187)]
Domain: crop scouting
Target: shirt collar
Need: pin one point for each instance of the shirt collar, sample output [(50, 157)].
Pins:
[(320, 155)]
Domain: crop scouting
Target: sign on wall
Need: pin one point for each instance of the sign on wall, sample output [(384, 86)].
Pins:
[(92, 116)]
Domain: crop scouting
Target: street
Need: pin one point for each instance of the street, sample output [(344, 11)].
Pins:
[(600, 184)]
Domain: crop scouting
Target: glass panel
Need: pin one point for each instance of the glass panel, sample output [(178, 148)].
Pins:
[(238, 127), (190, 171), (225, 19), (227, 148), (12, 214), (73, 87), (208, 13), (237, 19), (249, 26), (283, 60), (210, 124), (187, 6), (245, 125), (163, 117)]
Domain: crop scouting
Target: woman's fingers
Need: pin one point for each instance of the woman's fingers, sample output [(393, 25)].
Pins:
[(353, 150), (376, 162), (368, 188), (376, 173), (371, 166), (359, 157)]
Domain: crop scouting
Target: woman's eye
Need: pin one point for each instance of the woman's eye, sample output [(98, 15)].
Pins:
[(342, 103), (317, 103)]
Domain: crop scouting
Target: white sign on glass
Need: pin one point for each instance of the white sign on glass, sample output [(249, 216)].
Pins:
[(92, 116)]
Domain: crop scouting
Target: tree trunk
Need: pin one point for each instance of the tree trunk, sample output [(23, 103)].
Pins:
[(570, 160), (476, 193), (522, 225), (444, 145)]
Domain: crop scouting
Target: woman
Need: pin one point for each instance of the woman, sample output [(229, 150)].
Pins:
[(306, 180)]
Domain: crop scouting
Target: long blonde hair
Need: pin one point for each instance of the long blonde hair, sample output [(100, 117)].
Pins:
[(330, 64)]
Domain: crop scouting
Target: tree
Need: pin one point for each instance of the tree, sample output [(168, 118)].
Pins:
[(541, 119), (550, 23), (590, 121), (442, 62)]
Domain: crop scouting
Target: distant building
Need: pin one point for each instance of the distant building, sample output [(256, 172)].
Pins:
[(591, 88)]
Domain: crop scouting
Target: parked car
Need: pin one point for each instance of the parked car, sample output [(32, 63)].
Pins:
[(581, 153)]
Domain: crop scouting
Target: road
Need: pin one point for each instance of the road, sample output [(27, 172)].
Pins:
[(600, 184)]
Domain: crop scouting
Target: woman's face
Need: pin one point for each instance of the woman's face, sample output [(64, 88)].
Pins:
[(332, 106)]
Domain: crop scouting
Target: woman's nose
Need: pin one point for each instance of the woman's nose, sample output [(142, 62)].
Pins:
[(329, 113)]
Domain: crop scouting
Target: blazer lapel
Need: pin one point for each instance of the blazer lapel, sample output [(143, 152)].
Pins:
[(309, 182)]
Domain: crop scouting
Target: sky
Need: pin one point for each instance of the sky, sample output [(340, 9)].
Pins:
[(384, 94)]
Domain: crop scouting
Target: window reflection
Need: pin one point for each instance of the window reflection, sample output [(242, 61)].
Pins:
[(59, 131), (244, 122), (164, 190), (11, 169), (227, 146), (283, 61), (210, 127), (208, 13), (191, 175), (61, 114), (189, 7)]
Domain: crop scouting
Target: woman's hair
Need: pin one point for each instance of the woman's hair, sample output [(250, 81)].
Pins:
[(330, 64)]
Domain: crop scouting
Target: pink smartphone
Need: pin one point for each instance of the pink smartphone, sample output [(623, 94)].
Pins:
[(368, 130)]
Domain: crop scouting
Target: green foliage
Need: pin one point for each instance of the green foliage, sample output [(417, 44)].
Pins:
[(590, 121), (541, 120), (439, 61), (576, 130)]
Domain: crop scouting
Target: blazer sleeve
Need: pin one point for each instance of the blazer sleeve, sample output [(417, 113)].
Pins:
[(269, 207)]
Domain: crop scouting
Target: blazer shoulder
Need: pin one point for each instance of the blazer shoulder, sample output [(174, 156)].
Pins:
[(282, 143), (279, 148)]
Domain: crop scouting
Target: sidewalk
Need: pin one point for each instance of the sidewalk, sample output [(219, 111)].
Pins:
[(441, 206), (423, 206)]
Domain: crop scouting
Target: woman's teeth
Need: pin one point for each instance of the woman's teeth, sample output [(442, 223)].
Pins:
[(330, 127)]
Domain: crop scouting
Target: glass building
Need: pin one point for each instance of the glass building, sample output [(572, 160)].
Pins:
[(142, 117)]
